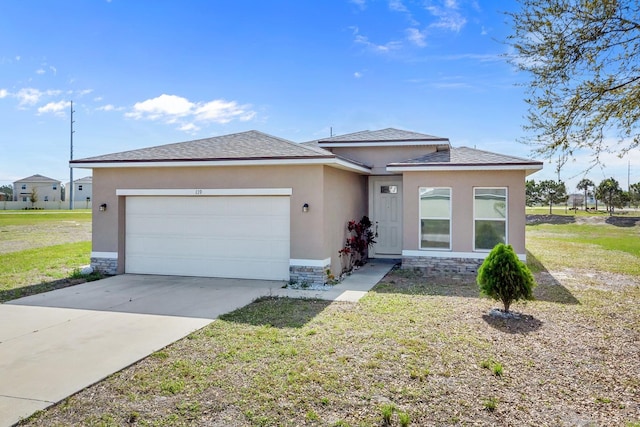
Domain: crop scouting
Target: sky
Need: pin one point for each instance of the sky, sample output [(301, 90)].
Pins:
[(146, 73)]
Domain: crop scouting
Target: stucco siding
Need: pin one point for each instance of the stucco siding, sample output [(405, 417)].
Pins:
[(306, 183), (345, 195), (379, 157), (462, 184)]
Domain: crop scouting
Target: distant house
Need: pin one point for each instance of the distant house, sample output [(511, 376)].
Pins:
[(82, 189), (46, 189)]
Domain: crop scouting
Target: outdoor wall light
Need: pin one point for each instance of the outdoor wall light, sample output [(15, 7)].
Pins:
[(305, 207), (103, 207)]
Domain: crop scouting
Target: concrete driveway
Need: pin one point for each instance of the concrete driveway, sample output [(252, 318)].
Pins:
[(57, 343)]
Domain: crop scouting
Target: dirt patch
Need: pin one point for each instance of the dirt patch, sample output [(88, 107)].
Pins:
[(422, 344), (14, 238), (618, 221)]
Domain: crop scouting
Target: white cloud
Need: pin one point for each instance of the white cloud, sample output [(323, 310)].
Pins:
[(109, 107), (360, 3), (357, 74), (448, 16), (397, 6), (220, 111), (53, 69), (18, 58), (176, 109), (380, 48), (56, 108), (416, 37), (40, 71), (189, 127), (29, 96), (3, 93), (170, 106), (84, 92)]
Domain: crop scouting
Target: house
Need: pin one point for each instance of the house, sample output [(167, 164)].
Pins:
[(46, 189), (252, 205), (82, 189)]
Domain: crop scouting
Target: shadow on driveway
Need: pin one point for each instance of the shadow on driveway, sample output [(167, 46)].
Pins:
[(197, 297)]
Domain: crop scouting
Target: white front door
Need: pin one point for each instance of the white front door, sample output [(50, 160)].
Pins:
[(386, 215)]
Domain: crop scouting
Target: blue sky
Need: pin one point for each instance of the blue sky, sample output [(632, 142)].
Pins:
[(147, 73)]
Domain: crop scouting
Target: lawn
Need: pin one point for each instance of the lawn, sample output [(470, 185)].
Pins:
[(415, 351), (41, 249)]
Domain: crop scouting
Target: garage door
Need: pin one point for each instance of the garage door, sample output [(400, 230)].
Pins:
[(213, 236)]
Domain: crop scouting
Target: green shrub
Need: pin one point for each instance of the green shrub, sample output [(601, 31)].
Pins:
[(502, 276)]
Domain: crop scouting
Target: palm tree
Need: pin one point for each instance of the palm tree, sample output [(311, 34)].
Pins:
[(585, 184)]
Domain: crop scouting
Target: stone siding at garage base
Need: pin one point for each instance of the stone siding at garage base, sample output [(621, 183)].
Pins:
[(305, 276), (107, 266), (432, 265)]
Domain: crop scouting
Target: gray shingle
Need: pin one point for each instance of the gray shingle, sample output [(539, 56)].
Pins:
[(252, 145), (37, 178), (462, 156), (384, 135)]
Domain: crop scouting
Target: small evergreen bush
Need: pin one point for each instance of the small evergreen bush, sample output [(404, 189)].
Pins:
[(502, 276)]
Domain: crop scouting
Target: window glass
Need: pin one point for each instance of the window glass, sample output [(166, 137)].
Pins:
[(435, 218), (490, 222), (389, 189)]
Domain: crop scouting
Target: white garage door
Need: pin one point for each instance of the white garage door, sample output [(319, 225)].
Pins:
[(212, 236)]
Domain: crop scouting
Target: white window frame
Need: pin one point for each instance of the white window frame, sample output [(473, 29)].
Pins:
[(506, 216), (420, 218)]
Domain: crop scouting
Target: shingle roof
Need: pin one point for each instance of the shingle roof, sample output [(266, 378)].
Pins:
[(250, 145), (465, 156), (383, 135), (37, 178)]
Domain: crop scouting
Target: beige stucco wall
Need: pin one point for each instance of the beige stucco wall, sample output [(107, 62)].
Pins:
[(345, 195), (379, 157), (462, 184), (44, 190), (308, 184)]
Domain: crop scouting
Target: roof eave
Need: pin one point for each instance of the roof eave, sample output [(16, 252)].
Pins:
[(332, 161), (439, 143), (399, 167)]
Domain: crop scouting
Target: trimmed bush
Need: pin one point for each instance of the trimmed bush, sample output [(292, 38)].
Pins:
[(502, 276)]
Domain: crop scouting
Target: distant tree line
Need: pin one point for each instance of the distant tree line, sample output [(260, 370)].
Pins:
[(609, 192)]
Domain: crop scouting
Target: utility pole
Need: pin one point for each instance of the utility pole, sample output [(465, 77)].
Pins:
[(70, 189)]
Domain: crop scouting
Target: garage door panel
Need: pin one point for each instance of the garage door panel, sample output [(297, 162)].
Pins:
[(218, 236)]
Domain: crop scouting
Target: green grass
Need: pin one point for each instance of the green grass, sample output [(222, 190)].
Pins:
[(39, 249), (603, 247), (34, 217), (41, 265), (413, 345)]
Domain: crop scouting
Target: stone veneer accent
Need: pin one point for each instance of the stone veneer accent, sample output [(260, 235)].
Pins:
[(311, 275), (105, 265), (442, 265)]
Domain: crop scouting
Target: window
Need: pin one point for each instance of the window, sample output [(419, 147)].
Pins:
[(80, 187), (55, 187), (46, 198), (490, 217), (24, 186), (435, 218), (389, 189), (24, 199)]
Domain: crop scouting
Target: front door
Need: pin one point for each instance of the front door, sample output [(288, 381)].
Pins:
[(386, 215)]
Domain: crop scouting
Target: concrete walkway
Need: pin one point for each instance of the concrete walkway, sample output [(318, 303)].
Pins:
[(57, 343)]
